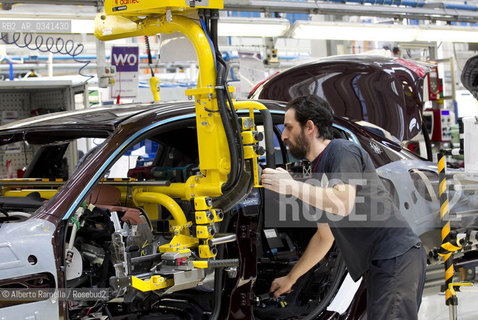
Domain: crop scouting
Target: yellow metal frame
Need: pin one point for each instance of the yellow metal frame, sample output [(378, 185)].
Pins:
[(201, 264), (248, 139), (452, 286), (214, 156), (180, 243), (145, 7), (44, 193), (131, 18), (154, 283)]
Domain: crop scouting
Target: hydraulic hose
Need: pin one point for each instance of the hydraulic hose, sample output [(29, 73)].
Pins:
[(222, 106), (269, 138), (213, 26), (237, 128), (228, 118), (223, 263)]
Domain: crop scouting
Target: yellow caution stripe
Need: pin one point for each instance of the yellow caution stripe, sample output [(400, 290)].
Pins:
[(449, 272), (441, 164), (443, 209), (448, 247), (445, 232), (442, 187)]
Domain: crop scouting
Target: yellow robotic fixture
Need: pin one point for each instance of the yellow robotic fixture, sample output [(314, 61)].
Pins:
[(214, 155), (225, 142), (133, 8), (155, 283)]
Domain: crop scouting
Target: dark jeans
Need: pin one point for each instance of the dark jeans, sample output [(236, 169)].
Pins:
[(395, 286)]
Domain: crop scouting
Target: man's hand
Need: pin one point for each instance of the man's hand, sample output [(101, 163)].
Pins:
[(281, 285), (278, 180)]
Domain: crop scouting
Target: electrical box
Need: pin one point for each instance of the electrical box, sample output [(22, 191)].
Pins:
[(145, 7), (438, 124), (106, 76), (470, 132)]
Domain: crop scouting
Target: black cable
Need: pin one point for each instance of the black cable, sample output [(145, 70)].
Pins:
[(55, 46), (222, 86), (237, 129), (231, 128), (213, 30), (230, 137), (428, 143), (269, 138), (148, 52), (213, 36)]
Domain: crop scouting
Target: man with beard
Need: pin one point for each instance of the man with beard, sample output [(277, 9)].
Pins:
[(382, 247)]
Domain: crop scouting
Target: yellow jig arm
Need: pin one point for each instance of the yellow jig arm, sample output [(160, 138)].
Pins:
[(214, 155), (148, 18)]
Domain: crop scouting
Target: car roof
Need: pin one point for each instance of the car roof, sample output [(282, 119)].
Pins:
[(94, 122), (102, 116)]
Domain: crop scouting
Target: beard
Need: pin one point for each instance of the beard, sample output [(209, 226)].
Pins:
[(299, 148)]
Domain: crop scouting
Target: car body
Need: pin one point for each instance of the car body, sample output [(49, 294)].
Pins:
[(75, 217), (383, 96)]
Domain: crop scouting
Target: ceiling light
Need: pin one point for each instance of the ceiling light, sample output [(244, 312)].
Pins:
[(252, 27), (382, 32), (83, 26), (448, 34), (352, 31)]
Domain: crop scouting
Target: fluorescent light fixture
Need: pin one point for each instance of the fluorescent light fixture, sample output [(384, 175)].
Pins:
[(352, 31), (448, 34), (252, 27), (381, 32), (83, 26)]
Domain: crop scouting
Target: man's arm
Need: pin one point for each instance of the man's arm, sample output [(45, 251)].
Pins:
[(318, 247), (339, 199)]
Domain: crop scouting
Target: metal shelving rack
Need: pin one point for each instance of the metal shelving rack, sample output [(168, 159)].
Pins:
[(23, 96)]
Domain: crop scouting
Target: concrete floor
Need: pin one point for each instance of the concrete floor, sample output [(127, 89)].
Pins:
[(433, 305)]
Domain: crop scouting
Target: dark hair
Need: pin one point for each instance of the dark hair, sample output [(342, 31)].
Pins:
[(316, 109)]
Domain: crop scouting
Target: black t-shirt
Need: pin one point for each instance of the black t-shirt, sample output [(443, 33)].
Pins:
[(375, 229)]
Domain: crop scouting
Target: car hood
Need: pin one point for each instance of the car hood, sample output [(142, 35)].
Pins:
[(383, 91)]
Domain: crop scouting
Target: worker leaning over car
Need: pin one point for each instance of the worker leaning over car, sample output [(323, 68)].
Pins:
[(375, 240)]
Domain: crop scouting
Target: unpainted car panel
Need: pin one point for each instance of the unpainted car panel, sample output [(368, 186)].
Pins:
[(27, 253), (416, 185), (422, 215)]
